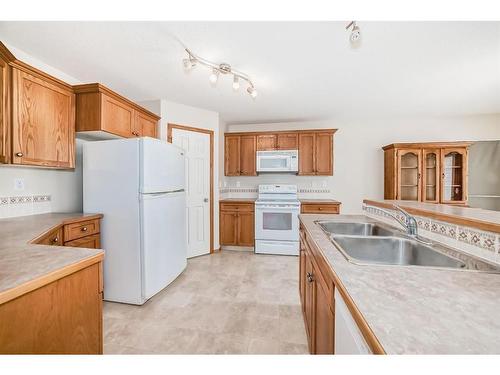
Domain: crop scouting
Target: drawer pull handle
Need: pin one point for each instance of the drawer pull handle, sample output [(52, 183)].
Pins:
[(310, 277), (320, 208), (19, 154), (84, 229), (55, 239)]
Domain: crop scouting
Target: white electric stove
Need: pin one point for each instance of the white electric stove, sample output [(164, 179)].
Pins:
[(277, 220)]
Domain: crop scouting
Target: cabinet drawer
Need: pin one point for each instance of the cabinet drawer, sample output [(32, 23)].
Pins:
[(54, 237), (239, 207), (320, 208), (80, 229), (89, 242)]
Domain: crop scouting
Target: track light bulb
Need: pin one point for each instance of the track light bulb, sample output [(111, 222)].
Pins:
[(188, 64), (355, 34), (236, 83), (214, 76), (252, 92)]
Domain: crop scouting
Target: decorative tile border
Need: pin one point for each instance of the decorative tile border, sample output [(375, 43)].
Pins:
[(470, 240), (225, 190), (22, 205)]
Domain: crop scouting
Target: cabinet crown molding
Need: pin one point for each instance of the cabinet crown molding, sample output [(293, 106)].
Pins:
[(428, 145), (99, 88), (330, 131)]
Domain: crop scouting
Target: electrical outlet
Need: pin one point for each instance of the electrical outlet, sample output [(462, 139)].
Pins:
[(19, 184)]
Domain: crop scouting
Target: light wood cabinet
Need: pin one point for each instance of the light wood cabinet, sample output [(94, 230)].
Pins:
[(316, 295), (240, 155), (267, 142), (43, 122), (62, 317), (37, 116), (433, 172), (316, 153), (74, 233), (320, 207), (237, 224), (287, 141), (315, 150), (104, 113)]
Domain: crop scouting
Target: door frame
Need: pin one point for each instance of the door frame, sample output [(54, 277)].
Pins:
[(170, 127)]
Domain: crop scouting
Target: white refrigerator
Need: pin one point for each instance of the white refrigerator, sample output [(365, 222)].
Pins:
[(138, 185)]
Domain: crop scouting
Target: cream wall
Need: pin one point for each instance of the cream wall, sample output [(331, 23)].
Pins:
[(181, 114), (358, 157), (64, 186)]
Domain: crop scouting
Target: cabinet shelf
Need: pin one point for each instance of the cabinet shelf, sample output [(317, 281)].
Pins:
[(405, 185), (452, 167), (409, 167)]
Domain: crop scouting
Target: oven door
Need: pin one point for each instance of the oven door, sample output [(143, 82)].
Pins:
[(277, 223), (273, 163)]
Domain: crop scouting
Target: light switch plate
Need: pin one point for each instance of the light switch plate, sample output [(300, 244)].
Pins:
[(19, 184)]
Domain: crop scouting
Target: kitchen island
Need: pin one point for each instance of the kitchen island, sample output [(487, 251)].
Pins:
[(50, 296), (404, 310)]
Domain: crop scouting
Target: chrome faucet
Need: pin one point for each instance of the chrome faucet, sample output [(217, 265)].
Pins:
[(409, 223)]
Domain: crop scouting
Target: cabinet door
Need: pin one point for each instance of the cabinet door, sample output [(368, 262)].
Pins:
[(309, 301), (306, 154), (324, 337), (43, 122), (323, 150), (246, 228), (248, 146), (89, 242), (454, 175), (267, 142), (228, 228), (117, 117), (144, 126), (409, 172), (430, 175), (4, 112), (288, 141), (232, 155)]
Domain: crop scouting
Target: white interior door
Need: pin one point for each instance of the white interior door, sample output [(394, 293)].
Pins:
[(197, 151)]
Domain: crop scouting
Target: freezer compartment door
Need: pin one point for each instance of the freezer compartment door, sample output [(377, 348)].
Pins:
[(164, 240), (162, 167)]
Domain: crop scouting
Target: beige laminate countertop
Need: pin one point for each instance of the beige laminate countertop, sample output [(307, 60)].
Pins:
[(468, 216), (23, 264), (238, 200), (319, 201), (415, 310)]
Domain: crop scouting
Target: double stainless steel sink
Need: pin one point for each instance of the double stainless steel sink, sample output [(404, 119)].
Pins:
[(371, 243)]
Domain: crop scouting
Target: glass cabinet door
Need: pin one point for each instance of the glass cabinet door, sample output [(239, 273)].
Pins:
[(430, 176), (453, 176), (409, 175)]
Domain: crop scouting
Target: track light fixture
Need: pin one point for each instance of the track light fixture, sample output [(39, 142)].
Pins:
[(355, 36), (217, 69)]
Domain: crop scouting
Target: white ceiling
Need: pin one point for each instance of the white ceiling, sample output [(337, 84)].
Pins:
[(302, 70)]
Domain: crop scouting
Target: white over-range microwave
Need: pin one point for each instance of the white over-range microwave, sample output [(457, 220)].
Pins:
[(278, 161)]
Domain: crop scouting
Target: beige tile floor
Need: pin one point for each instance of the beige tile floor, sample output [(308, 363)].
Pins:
[(226, 303)]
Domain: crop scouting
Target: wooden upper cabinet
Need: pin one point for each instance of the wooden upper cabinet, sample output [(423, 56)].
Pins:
[(315, 150), (43, 121), (267, 142), (323, 150), (117, 117), (99, 109), (287, 141), (432, 172), (316, 153), (232, 155), (4, 110), (306, 154), (247, 155), (454, 175), (145, 125)]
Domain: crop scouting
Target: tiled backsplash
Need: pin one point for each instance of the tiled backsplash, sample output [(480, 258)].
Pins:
[(22, 205), (241, 192), (482, 244)]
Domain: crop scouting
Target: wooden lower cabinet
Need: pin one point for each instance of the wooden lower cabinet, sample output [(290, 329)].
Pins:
[(237, 224), (320, 208), (316, 295), (89, 242), (62, 317)]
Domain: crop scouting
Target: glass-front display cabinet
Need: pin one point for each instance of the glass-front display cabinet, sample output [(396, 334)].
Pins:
[(434, 172)]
